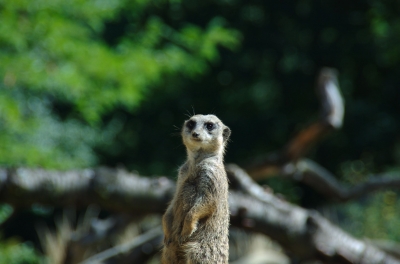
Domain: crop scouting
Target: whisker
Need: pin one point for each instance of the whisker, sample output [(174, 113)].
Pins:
[(180, 145), (175, 134), (188, 114)]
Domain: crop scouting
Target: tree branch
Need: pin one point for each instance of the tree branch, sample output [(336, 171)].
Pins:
[(331, 118), (305, 233), (324, 182), (23, 187), (289, 162)]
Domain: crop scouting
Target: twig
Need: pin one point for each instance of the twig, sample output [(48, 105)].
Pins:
[(125, 248)]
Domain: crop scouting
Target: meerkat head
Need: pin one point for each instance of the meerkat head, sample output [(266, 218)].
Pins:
[(205, 133)]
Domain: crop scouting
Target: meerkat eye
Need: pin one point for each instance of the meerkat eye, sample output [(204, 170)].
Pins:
[(191, 124), (210, 126)]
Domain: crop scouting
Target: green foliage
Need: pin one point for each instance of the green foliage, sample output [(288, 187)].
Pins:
[(5, 212), (13, 252), (376, 217), (54, 54)]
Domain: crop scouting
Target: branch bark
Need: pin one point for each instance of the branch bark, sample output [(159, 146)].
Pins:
[(306, 233), (325, 182), (112, 189)]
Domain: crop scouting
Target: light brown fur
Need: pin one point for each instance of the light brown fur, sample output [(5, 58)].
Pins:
[(197, 220)]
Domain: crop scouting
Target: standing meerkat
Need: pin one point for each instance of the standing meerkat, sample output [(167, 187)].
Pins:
[(197, 220)]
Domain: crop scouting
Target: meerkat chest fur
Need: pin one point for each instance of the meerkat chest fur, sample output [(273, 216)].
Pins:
[(199, 182), (196, 222), (205, 138)]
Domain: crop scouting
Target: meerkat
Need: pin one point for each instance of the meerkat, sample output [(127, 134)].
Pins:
[(197, 220)]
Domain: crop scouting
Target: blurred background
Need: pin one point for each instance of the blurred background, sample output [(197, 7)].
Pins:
[(109, 83)]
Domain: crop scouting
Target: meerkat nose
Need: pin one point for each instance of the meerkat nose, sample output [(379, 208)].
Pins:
[(195, 135)]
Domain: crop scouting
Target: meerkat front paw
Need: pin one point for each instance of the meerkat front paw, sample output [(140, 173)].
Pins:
[(188, 229), (183, 239)]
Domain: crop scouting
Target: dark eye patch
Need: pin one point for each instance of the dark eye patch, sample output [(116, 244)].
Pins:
[(210, 126), (191, 124)]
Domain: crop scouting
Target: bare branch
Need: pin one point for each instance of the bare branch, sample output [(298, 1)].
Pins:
[(304, 232), (325, 182), (289, 163), (23, 187), (332, 111), (153, 234)]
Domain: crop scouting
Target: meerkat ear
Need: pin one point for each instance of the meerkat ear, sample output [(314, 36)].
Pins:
[(226, 133)]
